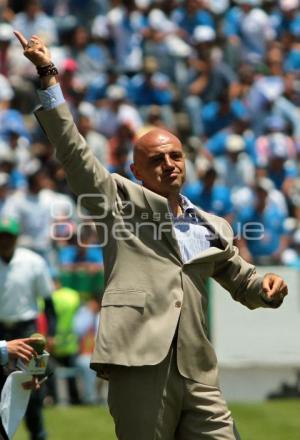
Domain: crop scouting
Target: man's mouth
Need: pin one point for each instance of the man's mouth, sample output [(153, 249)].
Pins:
[(172, 175)]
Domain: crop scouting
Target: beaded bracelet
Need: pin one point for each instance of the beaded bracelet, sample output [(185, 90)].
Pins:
[(49, 70)]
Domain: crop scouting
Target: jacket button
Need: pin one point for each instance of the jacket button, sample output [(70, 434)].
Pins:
[(178, 304)]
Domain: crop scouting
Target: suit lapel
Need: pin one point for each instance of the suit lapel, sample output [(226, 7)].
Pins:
[(161, 215)]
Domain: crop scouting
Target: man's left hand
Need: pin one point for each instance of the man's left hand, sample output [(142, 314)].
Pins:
[(274, 288)]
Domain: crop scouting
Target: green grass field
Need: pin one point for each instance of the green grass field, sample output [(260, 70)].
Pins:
[(276, 420)]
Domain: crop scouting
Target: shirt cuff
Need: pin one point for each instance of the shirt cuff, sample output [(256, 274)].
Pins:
[(3, 353), (51, 97)]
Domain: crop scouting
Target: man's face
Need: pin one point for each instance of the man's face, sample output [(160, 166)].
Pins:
[(159, 163), (7, 245)]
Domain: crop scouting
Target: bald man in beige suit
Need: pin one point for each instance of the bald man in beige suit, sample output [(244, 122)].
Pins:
[(159, 251)]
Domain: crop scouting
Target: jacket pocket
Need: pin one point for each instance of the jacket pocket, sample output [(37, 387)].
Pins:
[(132, 298)]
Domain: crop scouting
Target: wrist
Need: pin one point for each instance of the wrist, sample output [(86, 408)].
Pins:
[(47, 70), (48, 81), (43, 64)]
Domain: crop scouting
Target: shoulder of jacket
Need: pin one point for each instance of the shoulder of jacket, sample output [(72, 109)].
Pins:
[(123, 182)]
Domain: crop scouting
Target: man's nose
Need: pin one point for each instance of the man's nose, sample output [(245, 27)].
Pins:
[(168, 162)]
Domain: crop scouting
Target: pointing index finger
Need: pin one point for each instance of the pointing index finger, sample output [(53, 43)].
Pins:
[(21, 38)]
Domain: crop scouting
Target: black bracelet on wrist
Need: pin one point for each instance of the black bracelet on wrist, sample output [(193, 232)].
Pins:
[(49, 70)]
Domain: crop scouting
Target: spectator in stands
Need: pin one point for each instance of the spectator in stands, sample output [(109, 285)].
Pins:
[(249, 30), (207, 193), (291, 256), (116, 110), (9, 117), (126, 26), (88, 9), (32, 214), (154, 119), (287, 104), (279, 169), (86, 126), (33, 20), (261, 98), (72, 85), (19, 145), (275, 132), (6, 36), (151, 87), (164, 40), (97, 90), (191, 14), (287, 16), (221, 114), (121, 150), (8, 164), (208, 77), (241, 126), (235, 169), (260, 227), (91, 59), (292, 195)]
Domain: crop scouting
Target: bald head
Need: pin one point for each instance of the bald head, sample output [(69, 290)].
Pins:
[(159, 162), (153, 138)]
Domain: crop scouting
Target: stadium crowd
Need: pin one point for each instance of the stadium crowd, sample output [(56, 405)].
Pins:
[(222, 75)]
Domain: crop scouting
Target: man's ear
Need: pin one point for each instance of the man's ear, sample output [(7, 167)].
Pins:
[(135, 172)]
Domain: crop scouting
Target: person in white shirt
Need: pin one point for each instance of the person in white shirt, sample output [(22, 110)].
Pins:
[(32, 214), (24, 277)]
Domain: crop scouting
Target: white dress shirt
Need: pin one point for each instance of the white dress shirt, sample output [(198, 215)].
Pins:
[(22, 281)]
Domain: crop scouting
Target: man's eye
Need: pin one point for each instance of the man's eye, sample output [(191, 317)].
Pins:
[(176, 156), (156, 159)]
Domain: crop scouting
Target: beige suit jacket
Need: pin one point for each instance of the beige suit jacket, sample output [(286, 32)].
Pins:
[(149, 291)]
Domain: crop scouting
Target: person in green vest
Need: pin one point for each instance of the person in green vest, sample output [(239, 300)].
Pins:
[(66, 345)]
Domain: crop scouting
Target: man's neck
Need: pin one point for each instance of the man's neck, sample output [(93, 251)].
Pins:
[(174, 204)]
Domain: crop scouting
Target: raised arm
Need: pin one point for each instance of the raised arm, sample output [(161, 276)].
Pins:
[(86, 176)]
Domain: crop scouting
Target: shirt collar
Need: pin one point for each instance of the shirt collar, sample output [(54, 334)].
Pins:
[(186, 205), (189, 210)]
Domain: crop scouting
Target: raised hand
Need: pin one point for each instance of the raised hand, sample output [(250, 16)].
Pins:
[(35, 50)]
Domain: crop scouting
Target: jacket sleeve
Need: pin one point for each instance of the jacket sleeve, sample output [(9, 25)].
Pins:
[(86, 176), (240, 278)]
